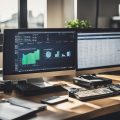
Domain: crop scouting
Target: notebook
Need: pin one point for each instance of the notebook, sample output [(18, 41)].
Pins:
[(15, 108)]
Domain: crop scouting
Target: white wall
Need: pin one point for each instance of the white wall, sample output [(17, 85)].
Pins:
[(54, 13), (68, 10), (59, 11)]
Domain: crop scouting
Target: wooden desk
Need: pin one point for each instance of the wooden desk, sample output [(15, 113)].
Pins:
[(73, 109)]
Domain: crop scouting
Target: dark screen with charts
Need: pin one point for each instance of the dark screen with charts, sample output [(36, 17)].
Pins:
[(38, 50)]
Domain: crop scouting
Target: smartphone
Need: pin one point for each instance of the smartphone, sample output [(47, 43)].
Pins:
[(54, 100)]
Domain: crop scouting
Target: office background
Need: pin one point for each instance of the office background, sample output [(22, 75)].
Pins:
[(54, 13)]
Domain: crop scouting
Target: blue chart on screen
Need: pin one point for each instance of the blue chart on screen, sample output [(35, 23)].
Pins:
[(48, 54)]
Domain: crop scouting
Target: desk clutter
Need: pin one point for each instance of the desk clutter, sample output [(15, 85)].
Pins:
[(102, 92), (97, 87), (91, 81), (30, 89), (54, 100), (6, 86), (15, 108), (91, 87)]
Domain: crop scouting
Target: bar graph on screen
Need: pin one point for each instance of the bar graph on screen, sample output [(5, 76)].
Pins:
[(31, 58)]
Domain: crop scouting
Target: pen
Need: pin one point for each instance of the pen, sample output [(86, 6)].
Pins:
[(18, 105), (7, 101)]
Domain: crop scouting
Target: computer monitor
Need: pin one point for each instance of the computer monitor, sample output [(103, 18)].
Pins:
[(98, 50), (34, 53)]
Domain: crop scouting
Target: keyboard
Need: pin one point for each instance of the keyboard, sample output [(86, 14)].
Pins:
[(31, 89), (93, 94)]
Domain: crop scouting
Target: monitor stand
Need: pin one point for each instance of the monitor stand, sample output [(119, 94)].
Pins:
[(36, 86), (39, 82)]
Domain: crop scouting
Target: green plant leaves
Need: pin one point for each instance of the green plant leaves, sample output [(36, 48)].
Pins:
[(77, 24)]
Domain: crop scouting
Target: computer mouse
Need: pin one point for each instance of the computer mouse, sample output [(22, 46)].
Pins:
[(73, 90)]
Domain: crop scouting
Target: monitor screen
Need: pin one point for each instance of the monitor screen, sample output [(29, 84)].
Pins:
[(29, 53), (98, 50)]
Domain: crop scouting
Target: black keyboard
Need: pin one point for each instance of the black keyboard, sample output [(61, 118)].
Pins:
[(31, 89), (93, 94)]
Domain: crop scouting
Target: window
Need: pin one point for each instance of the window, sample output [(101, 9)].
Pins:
[(37, 12), (8, 14)]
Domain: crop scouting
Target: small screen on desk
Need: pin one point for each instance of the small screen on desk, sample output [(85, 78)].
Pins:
[(38, 50)]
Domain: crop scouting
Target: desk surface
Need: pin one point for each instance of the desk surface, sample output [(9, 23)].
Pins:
[(74, 108)]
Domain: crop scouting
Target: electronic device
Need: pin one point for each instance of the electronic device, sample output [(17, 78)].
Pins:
[(6, 86), (93, 94), (91, 81), (29, 89), (74, 89), (98, 50), (54, 100), (34, 53), (115, 87)]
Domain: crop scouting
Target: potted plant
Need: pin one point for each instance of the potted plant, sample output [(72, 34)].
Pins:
[(77, 23)]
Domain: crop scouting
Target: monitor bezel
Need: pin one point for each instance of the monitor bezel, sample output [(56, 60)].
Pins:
[(40, 73), (101, 69)]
